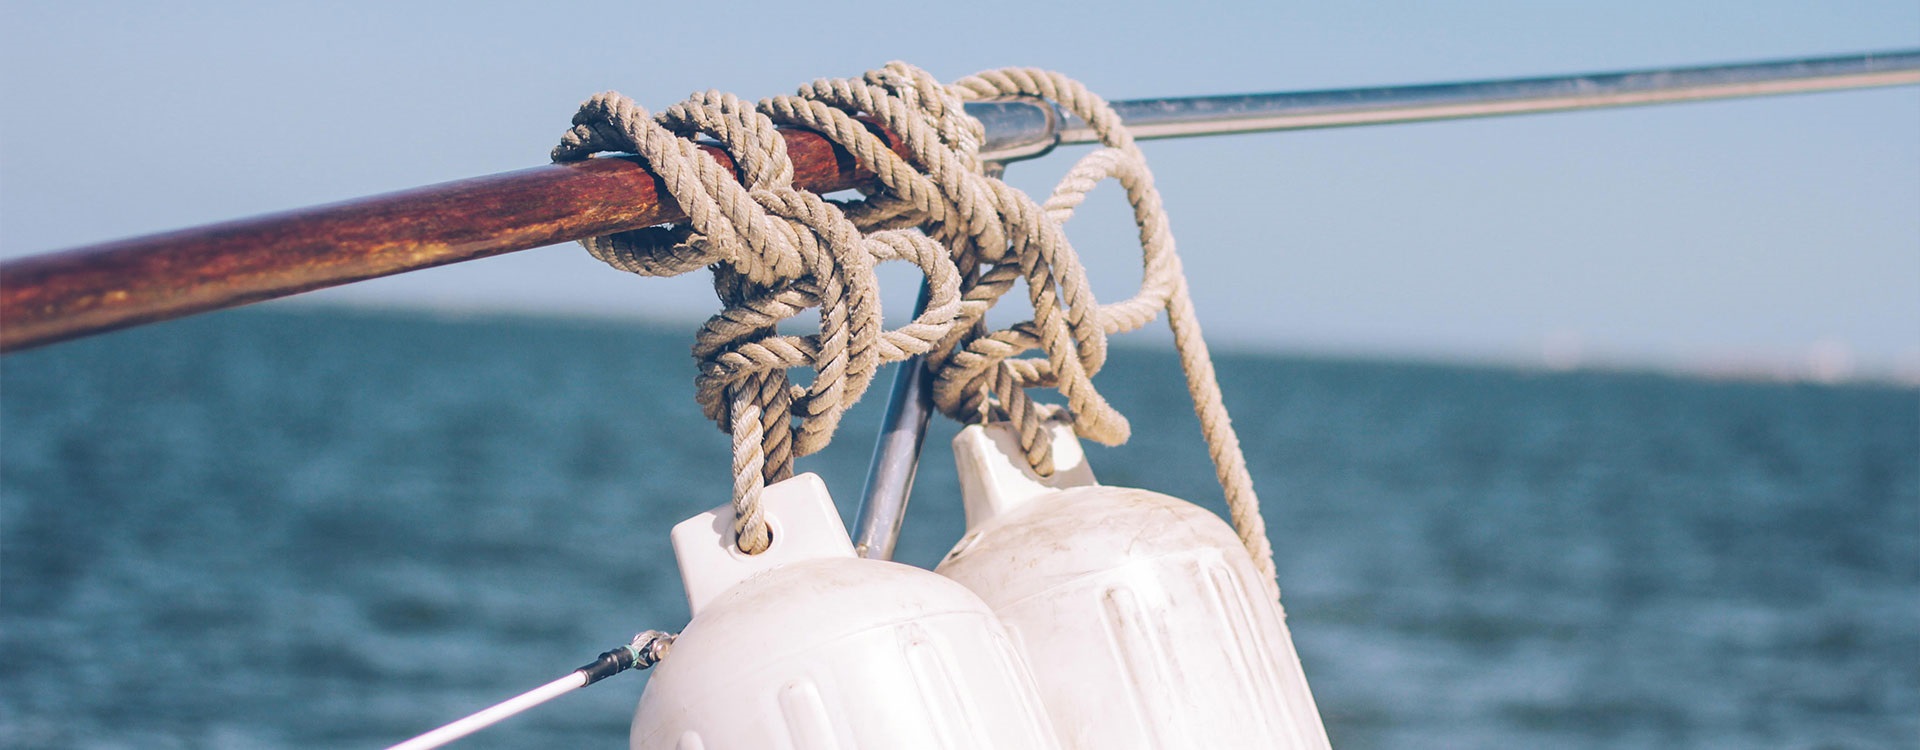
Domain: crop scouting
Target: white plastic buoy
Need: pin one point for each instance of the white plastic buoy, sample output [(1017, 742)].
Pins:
[(807, 646), (1142, 616)]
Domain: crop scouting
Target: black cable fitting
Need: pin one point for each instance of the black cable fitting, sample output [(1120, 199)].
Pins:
[(645, 650)]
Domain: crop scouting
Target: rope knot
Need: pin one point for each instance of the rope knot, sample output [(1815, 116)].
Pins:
[(777, 252)]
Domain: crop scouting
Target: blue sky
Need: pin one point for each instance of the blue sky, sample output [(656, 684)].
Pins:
[(1751, 235)]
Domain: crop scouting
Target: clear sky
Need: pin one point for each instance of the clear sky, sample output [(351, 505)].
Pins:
[(1765, 234)]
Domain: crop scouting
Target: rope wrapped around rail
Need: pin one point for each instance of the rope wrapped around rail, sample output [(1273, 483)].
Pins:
[(776, 251)]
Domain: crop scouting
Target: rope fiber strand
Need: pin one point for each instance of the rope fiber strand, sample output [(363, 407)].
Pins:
[(776, 251)]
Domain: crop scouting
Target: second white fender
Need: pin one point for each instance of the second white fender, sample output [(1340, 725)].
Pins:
[(1143, 618)]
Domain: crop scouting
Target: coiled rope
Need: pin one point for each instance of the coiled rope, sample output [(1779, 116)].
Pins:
[(776, 250)]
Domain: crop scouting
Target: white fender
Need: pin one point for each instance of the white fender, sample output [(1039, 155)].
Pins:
[(1142, 616), (807, 646)]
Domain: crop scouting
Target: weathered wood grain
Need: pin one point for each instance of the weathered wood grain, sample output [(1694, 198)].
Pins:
[(62, 295)]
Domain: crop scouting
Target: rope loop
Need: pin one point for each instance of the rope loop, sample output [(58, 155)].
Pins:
[(777, 251)]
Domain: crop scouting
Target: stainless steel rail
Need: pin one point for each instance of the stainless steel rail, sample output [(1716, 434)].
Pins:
[(1025, 129), (1022, 130)]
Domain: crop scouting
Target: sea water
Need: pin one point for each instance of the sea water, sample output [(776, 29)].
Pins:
[(329, 529)]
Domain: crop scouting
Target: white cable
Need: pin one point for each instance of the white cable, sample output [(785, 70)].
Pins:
[(494, 715), (645, 650)]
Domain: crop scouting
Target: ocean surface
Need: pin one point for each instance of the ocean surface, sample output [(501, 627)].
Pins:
[(315, 528)]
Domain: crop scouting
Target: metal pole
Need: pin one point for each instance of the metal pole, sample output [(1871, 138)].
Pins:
[(896, 458), (58, 296), (1014, 134), (896, 453)]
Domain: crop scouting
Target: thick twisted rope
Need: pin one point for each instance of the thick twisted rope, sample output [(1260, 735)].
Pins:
[(776, 251)]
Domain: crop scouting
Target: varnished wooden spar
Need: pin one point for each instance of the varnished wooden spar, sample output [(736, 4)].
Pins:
[(63, 295)]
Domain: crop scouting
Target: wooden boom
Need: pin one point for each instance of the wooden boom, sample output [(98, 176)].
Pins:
[(62, 295)]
